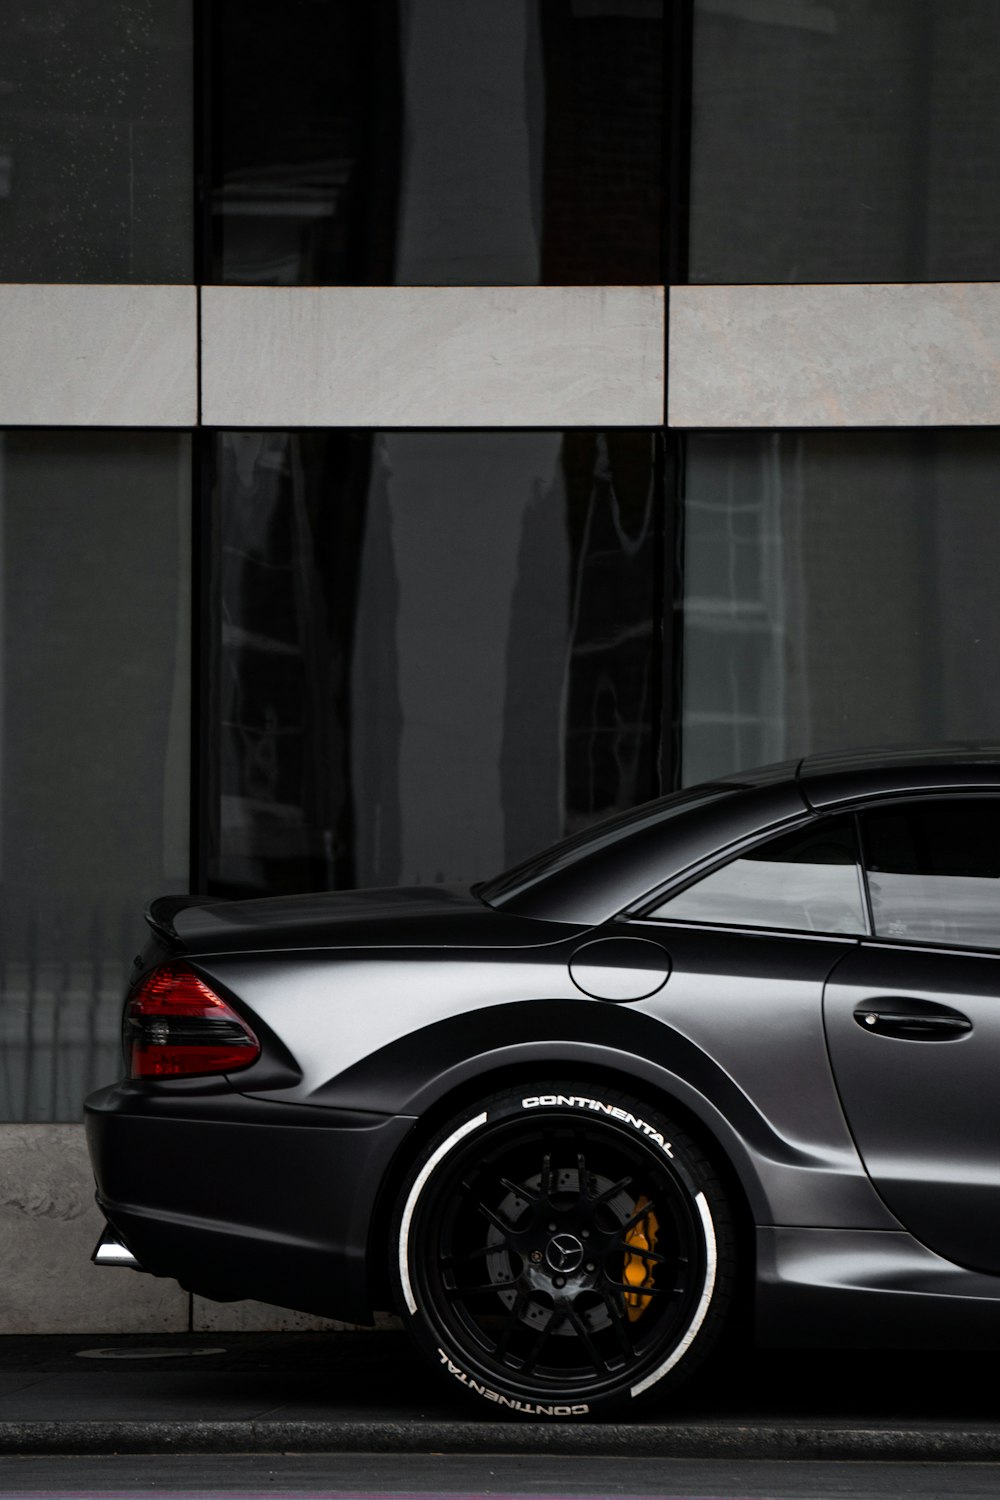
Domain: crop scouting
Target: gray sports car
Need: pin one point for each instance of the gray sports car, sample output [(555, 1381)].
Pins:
[(738, 1045)]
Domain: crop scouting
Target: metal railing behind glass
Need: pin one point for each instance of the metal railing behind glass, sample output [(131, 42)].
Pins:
[(61, 986)]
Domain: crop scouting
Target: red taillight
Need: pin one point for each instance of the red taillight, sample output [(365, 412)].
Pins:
[(175, 1025)]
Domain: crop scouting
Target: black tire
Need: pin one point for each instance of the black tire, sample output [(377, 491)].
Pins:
[(563, 1251)]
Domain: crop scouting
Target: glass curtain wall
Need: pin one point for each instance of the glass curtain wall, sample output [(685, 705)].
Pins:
[(845, 140), (97, 141), (465, 142), (839, 590), (94, 742), (433, 651)]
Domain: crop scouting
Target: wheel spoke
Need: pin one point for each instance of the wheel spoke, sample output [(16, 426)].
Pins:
[(545, 1186), (518, 1189), (611, 1192), (494, 1218), (614, 1307), (513, 1318), (638, 1216), (467, 1255), (579, 1323), (640, 1291), (473, 1291), (653, 1255), (531, 1359)]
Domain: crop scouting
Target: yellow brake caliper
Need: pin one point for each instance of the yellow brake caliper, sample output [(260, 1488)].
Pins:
[(638, 1271)]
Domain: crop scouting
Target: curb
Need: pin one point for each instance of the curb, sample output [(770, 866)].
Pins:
[(651, 1440)]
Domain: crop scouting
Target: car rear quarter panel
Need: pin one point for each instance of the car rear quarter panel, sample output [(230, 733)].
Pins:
[(400, 1034)]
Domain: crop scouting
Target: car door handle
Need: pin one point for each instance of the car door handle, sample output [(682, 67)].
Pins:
[(929, 1024)]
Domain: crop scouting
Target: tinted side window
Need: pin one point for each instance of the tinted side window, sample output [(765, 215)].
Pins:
[(806, 881), (934, 870)]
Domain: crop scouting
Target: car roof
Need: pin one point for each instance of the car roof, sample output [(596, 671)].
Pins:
[(593, 887), (845, 776), (605, 876)]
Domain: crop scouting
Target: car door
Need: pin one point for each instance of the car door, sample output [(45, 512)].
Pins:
[(913, 1021)]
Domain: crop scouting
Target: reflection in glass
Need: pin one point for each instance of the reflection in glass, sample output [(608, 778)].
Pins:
[(96, 141), (437, 142), (840, 590), (845, 140), (934, 871), (95, 743), (803, 882), (434, 650)]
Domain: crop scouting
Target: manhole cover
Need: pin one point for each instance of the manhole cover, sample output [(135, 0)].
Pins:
[(153, 1352)]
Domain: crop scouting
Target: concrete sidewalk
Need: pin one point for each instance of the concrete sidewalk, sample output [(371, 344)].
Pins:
[(367, 1392)]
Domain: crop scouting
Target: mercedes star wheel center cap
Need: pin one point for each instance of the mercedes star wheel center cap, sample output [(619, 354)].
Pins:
[(564, 1253)]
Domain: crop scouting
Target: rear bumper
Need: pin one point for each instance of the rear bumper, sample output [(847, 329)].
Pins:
[(237, 1198)]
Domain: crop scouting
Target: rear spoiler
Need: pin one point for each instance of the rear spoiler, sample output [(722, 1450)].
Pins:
[(160, 915)]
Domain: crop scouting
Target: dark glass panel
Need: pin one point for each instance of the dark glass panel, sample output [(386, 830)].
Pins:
[(96, 141), (840, 590), (602, 190), (437, 142), (433, 651), (305, 137), (845, 140), (934, 871), (95, 741), (806, 881)]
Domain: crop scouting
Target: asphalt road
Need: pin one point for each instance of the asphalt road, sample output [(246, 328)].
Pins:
[(206, 1377), (467, 1477), (368, 1393)]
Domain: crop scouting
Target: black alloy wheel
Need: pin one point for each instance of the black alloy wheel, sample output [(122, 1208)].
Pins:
[(560, 1252)]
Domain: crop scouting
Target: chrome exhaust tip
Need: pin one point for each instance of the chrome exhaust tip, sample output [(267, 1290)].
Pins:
[(110, 1251)]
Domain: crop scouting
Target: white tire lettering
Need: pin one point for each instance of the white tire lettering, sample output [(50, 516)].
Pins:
[(513, 1403), (581, 1101)]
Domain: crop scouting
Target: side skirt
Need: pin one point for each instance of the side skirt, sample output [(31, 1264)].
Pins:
[(858, 1288)]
